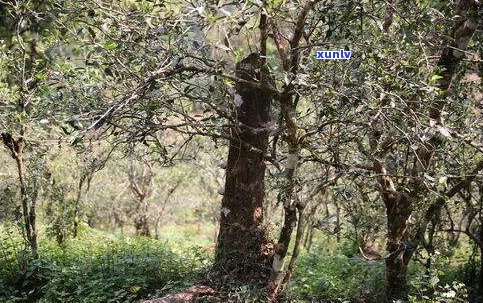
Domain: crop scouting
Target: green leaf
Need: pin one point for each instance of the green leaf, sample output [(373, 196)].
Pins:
[(110, 45), (40, 76), (435, 78)]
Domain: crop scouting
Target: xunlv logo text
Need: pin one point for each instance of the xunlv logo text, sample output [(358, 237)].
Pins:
[(331, 55)]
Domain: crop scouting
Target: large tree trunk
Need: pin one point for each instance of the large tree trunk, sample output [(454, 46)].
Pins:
[(243, 251)]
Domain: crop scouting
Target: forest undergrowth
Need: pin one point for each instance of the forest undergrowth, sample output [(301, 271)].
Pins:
[(102, 267)]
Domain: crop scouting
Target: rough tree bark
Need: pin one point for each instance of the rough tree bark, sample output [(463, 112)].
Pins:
[(243, 251)]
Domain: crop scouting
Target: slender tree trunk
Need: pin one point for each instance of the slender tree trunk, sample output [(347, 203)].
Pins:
[(286, 197), (15, 146), (28, 209), (309, 227), (337, 221), (298, 243), (142, 226), (243, 251), (77, 210), (309, 239), (398, 210), (480, 278), (141, 221), (289, 223), (156, 227), (141, 184)]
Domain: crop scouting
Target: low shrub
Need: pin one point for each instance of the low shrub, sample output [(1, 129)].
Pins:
[(338, 278), (94, 268)]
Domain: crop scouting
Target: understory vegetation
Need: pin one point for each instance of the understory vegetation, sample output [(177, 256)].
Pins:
[(102, 267), (96, 267)]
